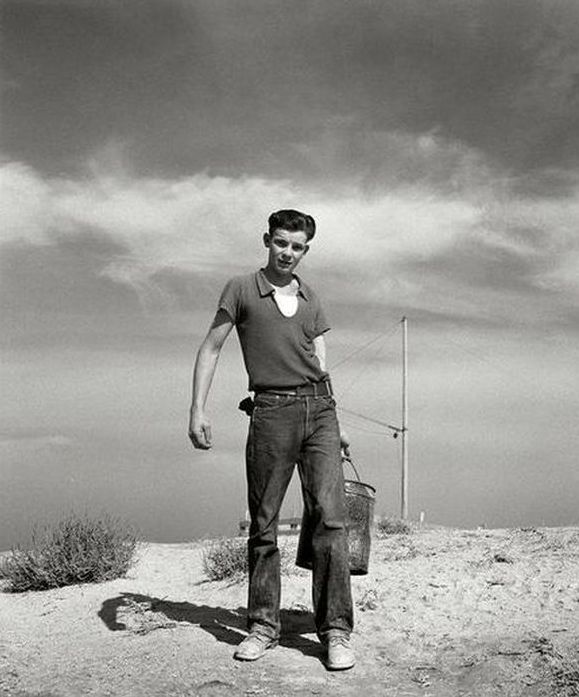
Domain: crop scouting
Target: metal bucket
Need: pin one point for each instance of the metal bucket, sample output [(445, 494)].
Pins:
[(359, 498)]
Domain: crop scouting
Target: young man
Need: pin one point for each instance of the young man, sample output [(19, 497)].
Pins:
[(280, 324)]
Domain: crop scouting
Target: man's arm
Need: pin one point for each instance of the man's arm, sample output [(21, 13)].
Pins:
[(320, 349), (207, 357)]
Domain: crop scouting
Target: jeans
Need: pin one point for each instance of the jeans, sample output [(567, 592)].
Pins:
[(285, 430)]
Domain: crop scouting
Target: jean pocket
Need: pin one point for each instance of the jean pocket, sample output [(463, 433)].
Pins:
[(267, 402)]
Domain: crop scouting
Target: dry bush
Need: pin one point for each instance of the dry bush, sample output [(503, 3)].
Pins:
[(389, 525), (77, 549), (400, 552), (225, 558)]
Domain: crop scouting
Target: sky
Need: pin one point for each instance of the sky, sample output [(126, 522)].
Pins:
[(143, 144)]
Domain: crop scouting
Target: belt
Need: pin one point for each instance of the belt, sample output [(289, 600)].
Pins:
[(312, 389)]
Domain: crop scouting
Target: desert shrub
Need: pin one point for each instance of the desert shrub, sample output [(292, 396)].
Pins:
[(288, 547), (225, 558), (393, 526), (400, 552), (76, 549)]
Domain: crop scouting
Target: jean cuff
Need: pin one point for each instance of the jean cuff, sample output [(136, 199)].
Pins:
[(263, 629), (325, 636)]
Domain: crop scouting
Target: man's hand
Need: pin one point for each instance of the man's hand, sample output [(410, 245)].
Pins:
[(345, 443), (205, 364), (200, 431)]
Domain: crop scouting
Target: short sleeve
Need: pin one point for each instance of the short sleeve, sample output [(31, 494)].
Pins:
[(321, 322), (229, 300)]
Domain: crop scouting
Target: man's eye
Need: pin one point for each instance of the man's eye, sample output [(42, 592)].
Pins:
[(280, 243), (298, 248)]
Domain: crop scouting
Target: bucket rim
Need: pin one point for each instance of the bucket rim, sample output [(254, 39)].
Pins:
[(359, 483)]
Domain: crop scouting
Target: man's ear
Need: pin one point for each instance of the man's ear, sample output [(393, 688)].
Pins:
[(306, 249), (266, 239)]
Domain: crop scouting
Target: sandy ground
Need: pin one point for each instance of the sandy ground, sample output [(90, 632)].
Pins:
[(441, 613)]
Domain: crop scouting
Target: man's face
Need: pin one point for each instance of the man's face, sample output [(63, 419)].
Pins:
[(286, 250)]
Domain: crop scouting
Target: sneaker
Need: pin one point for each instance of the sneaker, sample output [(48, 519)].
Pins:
[(340, 655), (254, 646)]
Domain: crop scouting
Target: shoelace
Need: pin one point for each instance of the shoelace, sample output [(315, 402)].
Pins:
[(339, 641), (258, 636)]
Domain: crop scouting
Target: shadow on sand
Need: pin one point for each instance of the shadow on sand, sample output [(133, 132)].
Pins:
[(225, 625)]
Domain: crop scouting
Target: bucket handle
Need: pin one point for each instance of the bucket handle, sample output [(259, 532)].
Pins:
[(347, 459)]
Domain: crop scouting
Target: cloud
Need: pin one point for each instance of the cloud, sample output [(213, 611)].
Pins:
[(137, 233), (327, 92), (112, 242), (435, 143), (203, 224)]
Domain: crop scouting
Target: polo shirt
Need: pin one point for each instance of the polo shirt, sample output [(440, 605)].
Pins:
[(278, 351)]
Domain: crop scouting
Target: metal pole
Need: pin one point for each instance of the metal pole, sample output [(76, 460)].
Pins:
[(404, 492)]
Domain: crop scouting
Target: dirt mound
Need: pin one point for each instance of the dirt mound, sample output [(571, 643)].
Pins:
[(441, 613)]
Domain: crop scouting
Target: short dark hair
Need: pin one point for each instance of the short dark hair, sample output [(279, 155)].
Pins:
[(294, 221)]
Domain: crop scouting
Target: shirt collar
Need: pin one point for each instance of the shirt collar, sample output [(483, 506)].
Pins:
[(265, 287)]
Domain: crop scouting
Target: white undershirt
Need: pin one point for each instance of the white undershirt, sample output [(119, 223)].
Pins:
[(286, 297)]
